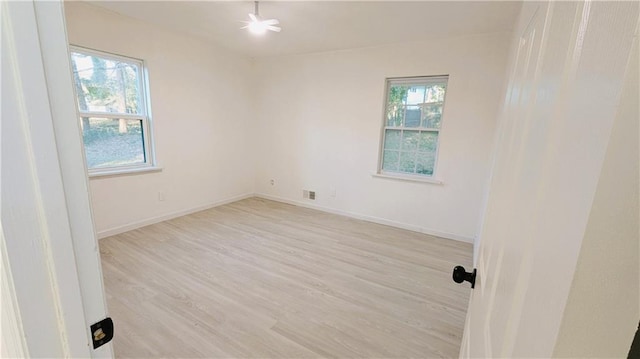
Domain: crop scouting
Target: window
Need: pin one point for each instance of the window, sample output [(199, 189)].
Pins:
[(412, 120), (112, 110)]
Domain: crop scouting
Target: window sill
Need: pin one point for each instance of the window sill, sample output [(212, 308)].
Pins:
[(124, 172), (407, 178)]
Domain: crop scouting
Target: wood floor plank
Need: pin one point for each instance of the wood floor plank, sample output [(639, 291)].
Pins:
[(263, 279)]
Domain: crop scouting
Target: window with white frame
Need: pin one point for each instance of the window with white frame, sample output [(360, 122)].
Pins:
[(412, 120), (113, 111)]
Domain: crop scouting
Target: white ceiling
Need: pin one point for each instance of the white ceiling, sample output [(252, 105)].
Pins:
[(322, 25)]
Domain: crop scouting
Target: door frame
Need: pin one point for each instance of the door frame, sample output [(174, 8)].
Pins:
[(50, 257)]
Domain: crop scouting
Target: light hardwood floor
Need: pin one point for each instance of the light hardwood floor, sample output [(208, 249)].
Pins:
[(262, 279)]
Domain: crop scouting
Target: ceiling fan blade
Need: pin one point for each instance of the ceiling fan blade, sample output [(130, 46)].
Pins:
[(274, 28), (253, 17), (271, 22)]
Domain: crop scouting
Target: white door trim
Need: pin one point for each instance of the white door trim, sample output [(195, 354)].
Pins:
[(55, 54), (41, 188)]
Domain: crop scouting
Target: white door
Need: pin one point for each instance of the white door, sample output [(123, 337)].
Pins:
[(568, 63), (50, 261)]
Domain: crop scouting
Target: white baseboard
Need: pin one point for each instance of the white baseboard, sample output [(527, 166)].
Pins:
[(145, 222), (367, 218)]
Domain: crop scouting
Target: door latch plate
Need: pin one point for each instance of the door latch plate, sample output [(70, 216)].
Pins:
[(102, 332)]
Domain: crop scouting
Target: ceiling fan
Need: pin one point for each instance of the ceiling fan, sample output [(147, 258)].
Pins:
[(258, 26)]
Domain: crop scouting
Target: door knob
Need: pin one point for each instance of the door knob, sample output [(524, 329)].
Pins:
[(460, 275)]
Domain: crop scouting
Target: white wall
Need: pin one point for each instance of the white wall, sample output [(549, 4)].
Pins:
[(603, 308), (200, 101), (320, 116), (225, 125)]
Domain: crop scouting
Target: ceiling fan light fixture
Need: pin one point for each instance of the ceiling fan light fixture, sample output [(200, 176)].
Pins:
[(257, 26)]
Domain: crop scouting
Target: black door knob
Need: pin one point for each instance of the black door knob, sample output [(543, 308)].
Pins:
[(460, 275)]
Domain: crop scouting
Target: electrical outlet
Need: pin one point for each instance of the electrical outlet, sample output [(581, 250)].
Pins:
[(312, 195), (332, 191), (272, 182), (160, 196)]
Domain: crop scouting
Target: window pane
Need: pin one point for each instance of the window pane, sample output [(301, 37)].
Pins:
[(395, 114), (428, 142), (425, 163), (410, 140), (398, 94), (415, 95), (112, 142), (407, 162), (435, 93), (396, 100), (390, 161), (106, 85), (412, 116), (392, 139), (427, 153), (432, 116)]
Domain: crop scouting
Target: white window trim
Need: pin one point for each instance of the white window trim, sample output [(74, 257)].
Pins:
[(150, 164), (407, 178), (119, 171), (380, 173)]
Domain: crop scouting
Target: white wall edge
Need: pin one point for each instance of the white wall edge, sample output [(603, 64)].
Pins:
[(153, 220), (367, 218)]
